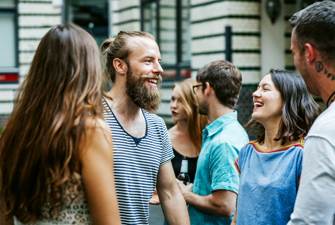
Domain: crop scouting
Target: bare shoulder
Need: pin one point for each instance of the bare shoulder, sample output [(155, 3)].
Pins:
[(96, 122), (98, 136)]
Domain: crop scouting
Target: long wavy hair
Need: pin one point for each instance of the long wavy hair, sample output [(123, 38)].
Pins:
[(196, 122), (39, 145), (299, 109)]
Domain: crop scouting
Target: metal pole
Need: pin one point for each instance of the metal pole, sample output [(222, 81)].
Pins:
[(228, 49)]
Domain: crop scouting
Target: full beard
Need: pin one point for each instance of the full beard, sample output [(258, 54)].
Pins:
[(147, 98)]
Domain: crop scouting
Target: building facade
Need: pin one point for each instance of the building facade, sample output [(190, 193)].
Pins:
[(190, 33)]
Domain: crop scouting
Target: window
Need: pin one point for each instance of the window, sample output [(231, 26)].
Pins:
[(8, 44), (91, 16), (169, 22)]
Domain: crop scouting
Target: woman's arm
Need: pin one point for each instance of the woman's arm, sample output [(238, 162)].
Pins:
[(96, 160)]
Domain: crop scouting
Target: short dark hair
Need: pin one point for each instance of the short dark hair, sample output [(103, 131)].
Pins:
[(299, 108), (224, 78), (316, 25)]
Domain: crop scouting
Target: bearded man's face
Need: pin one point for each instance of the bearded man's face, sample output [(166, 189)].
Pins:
[(143, 95)]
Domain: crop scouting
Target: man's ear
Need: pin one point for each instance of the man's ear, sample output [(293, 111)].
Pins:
[(310, 53), (208, 90), (120, 66)]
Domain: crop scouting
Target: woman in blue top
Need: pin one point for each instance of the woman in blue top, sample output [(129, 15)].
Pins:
[(270, 167)]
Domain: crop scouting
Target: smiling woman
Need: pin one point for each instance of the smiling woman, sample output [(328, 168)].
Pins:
[(297, 108), (268, 102), (270, 167)]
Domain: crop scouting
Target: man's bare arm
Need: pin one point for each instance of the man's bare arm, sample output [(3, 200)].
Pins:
[(172, 201)]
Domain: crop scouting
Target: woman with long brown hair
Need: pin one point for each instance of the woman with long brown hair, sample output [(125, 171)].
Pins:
[(56, 155)]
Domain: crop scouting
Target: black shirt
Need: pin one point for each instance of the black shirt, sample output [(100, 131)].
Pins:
[(176, 164)]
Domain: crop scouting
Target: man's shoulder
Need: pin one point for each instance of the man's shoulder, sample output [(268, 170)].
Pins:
[(234, 132), (152, 117), (324, 126)]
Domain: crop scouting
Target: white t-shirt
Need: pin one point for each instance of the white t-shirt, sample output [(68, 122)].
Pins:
[(315, 203)]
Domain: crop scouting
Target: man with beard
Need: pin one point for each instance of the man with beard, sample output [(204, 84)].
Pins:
[(212, 197), (141, 145), (313, 46)]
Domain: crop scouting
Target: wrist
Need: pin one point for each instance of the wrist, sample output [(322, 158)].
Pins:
[(187, 195)]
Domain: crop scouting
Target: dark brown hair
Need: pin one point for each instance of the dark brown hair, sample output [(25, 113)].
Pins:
[(316, 25), (224, 78), (196, 122), (39, 145), (118, 48), (299, 108)]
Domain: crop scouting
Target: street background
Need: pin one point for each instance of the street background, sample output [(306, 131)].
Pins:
[(156, 216)]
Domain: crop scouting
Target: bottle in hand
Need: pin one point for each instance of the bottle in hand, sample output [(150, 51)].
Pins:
[(183, 176)]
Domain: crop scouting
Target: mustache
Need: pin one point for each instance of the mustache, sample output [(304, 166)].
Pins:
[(159, 77)]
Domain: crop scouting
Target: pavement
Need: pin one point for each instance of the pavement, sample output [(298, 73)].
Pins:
[(156, 216)]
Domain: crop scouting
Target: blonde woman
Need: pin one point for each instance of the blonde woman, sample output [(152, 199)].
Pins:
[(186, 134)]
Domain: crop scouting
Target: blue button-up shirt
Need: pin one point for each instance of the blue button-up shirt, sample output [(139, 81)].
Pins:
[(222, 141)]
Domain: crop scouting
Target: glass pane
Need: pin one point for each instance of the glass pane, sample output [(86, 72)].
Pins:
[(150, 18), (7, 3), (185, 73), (92, 16), (186, 32), (168, 32), (7, 37), (169, 73)]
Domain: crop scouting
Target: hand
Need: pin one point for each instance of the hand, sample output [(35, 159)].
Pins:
[(154, 199), (185, 189)]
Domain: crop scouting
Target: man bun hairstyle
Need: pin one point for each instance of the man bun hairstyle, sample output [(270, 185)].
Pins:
[(118, 47)]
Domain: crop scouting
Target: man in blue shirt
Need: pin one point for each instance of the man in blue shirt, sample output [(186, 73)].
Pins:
[(212, 197)]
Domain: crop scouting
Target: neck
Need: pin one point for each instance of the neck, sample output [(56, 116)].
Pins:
[(327, 92), (271, 130), (182, 126), (270, 144), (331, 99), (121, 103), (324, 83), (217, 110)]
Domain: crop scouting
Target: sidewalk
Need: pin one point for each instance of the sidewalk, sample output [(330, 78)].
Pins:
[(156, 216)]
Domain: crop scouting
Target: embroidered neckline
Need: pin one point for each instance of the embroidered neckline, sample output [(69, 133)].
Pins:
[(257, 147)]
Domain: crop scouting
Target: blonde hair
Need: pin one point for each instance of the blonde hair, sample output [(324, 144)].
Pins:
[(195, 122)]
